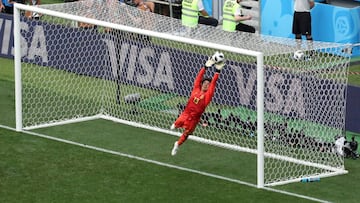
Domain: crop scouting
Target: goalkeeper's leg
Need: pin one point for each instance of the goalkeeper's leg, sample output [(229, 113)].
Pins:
[(184, 137), (177, 144), (180, 141)]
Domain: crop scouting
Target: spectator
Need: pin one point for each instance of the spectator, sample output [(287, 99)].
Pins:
[(32, 2), (193, 13), (145, 6), (232, 17), (30, 14), (143, 19), (7, 6), (89, 14)]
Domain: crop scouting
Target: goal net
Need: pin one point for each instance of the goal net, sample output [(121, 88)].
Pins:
[(105, 59)]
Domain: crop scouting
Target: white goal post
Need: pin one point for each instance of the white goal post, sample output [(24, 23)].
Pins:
[(88, 60)]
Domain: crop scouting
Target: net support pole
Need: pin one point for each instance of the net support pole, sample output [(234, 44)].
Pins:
[(17, 64), (170, 9), (260, 120)]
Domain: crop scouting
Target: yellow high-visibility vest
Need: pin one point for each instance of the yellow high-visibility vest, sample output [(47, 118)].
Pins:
[(229, 8), (190, 13)]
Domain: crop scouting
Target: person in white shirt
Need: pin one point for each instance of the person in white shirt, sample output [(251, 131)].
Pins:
[(302, 18)]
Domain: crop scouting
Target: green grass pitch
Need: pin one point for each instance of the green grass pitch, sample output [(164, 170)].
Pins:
[(34, 169)]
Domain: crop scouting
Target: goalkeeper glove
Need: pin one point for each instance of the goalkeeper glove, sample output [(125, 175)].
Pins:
[(219, 66), (209, 62)]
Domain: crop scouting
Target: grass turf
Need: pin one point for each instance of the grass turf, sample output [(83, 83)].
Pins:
[(33, 169)]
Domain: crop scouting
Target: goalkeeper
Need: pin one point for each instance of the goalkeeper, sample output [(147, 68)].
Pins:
[(201, 95)]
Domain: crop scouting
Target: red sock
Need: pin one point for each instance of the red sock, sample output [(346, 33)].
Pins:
[(182, 139)]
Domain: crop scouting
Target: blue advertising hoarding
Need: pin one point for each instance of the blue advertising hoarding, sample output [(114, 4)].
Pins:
[(353, 110)]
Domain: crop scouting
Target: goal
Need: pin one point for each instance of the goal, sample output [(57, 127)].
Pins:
[(107, 60)]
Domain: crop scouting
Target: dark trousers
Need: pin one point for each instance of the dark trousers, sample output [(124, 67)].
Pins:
[(245, 28), (9, 10), (208, 21)]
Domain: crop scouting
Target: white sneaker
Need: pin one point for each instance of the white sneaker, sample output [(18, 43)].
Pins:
[(175, 149), (172, 127)]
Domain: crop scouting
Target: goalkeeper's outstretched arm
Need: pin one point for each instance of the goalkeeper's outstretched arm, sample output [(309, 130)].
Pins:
[(216, 60), (219, 65)]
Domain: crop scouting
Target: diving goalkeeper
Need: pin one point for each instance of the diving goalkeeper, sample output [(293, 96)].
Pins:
[(201, 95)]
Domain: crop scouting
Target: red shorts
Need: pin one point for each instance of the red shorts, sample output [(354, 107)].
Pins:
[(187, 122)]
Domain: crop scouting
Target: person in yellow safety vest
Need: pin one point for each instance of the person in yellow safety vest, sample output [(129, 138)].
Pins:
[(232, 17), (193, 13)]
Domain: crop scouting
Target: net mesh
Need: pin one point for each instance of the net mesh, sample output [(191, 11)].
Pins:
[(72, 69)]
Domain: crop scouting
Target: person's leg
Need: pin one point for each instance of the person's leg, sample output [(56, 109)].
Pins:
[(296, 29), (305, 25), (9, 10), (180, 141), (298, 42), (309, 42), (309, 37), (208, 21), (184, 136), (189, 126), (305, 28), (295, 26), (180, 121), (245, 28)]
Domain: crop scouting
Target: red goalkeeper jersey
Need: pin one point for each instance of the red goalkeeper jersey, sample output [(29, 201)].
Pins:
[(199, 100)]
